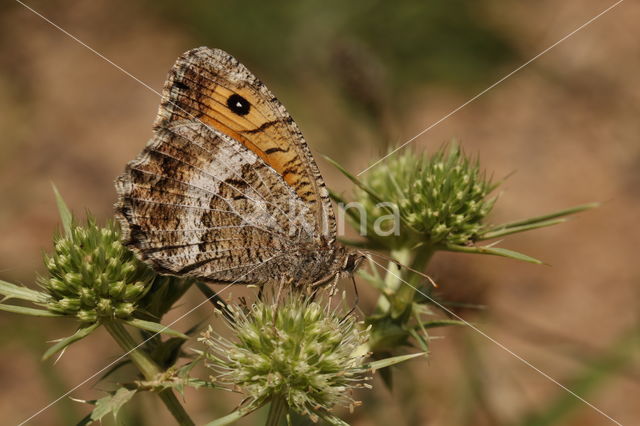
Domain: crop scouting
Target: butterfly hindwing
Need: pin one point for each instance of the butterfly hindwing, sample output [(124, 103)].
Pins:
[(196, 202)]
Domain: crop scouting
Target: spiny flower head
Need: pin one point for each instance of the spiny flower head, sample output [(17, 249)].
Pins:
[(300, 350), (93, 276), (440, 199)]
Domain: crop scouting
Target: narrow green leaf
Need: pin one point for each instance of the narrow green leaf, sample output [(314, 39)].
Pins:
[(155, 327), (234, 416), (341, 201), (28, 311), (496, 251), (421, 338), (12, 291), (176, 383), (354, 179), (78, 335), (501, 232), (65, 213), (443, 323), (537, 219), (372, 194), (475, 306), (337, 198), (387, 362), (112, 403)]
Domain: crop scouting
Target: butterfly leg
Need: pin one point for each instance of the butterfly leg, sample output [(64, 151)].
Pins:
[(281, 285), (260, 292), (356, 300)]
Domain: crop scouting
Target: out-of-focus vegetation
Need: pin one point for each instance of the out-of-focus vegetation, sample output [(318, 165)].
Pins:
[(442, 41), (370, 54)]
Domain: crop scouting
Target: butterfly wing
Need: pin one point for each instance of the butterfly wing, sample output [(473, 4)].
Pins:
[(213, 87), (226, 189), (197, 203)]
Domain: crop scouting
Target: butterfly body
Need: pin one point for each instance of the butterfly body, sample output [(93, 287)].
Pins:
[(227, 190)]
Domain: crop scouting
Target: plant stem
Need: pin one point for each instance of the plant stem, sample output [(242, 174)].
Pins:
[(404, 293), (149, 369), (277, 411)]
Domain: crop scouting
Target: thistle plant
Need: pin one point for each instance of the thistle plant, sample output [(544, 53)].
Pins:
[(441, 199), (92, 276), (299, 353), (435, 202)]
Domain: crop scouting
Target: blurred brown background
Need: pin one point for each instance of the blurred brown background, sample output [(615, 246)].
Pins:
[(358, 77)]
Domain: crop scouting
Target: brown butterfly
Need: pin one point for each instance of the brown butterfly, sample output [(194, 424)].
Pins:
[(227, 190)]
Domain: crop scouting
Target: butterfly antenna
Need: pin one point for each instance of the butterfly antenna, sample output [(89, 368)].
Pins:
[(368, 253), (260, 292)]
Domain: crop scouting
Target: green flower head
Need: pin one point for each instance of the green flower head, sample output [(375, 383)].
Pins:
[(439, 199), (93, 276), (307, 353)]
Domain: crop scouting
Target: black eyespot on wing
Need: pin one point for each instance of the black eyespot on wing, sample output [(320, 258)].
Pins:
[(238, 104)]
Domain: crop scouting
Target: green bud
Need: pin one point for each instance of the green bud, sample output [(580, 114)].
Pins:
[(91, 273), (87, 270), (128, 268), (87, 297), (298, 349), (442, 198), (116, 249), (102, 284), (50, 263), (104, 306), (73, 279), (87, 316), (117, 289), (57, 286), (134, 291), (124, 310), (69, 305), (112, 266)]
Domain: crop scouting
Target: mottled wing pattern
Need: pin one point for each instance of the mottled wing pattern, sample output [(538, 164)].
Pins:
[(212, 86), (227, 190), (197, 203)]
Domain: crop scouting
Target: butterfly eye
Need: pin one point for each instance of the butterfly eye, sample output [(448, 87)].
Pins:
[(238, 104)]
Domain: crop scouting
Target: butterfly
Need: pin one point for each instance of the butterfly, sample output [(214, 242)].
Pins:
[(227, 190)]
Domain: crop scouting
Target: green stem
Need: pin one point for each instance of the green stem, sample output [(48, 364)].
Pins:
[(277, 411), (149, 369), (403, 297)]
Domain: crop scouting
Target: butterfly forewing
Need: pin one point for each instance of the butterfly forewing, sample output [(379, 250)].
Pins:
[(227, 190), (211, 85)]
